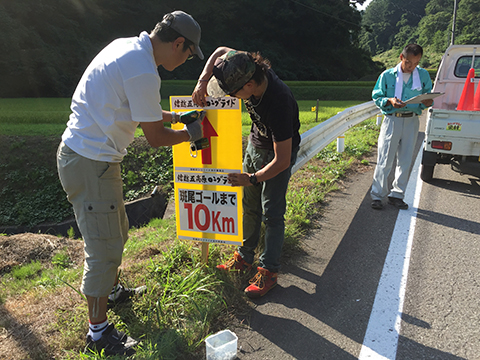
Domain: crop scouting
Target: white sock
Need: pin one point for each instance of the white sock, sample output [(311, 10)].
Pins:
[(96, 330), (116, 290)]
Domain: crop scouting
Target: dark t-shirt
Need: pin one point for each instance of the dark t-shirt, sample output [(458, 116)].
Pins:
[(275, 115)]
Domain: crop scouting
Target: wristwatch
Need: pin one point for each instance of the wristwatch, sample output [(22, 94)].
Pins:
[(175, 117), (253, 179)]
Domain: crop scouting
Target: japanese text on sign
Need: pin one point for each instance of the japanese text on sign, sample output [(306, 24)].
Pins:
[(198, 169), (212, 103), (208, 211), (212, 197), (203, 179)]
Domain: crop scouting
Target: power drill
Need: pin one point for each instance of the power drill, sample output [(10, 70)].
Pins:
[(188, 118)]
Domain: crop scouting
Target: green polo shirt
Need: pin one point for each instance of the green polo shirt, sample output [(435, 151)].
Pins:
[(385, 89)]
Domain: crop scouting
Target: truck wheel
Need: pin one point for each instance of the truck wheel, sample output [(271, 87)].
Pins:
[(426, 172)]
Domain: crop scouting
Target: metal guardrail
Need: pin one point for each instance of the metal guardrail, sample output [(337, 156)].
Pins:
[(317, 138)]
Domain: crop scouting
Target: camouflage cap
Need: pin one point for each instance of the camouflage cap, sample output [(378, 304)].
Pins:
[(231, 72)]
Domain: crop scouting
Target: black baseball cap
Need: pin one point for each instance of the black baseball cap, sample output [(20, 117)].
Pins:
[(231, 72)]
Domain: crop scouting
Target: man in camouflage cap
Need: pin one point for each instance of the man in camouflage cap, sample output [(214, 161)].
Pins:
[(271, 152)]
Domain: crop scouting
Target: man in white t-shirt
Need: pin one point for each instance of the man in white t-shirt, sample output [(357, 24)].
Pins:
[(119, 90)]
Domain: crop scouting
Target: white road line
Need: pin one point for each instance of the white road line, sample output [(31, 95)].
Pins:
[(381, 337)]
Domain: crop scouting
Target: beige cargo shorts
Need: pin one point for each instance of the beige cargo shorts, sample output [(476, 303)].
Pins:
[(95, 190)]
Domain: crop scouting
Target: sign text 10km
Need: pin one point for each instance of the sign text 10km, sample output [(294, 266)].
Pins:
[(208, 208)]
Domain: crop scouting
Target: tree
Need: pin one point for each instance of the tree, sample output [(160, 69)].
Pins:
[(467, 22), (389, 23), (47, 44), (434, 30)]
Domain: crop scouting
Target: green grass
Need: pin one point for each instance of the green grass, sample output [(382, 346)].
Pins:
[(48, 117), (37, 116), (34, 276), (303, 90), (307, 113), (27, 271), (34, 116), (186, 300), (32, 194)]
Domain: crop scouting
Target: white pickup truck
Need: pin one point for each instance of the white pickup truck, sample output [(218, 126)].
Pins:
[(453, 136)]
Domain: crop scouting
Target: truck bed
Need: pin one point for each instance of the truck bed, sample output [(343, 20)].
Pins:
[(453, 136), (462, 128)]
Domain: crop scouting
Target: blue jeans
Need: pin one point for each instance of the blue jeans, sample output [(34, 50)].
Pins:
[(265, 202)]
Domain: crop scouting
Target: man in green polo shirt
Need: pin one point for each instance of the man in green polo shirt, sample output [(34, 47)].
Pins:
[(399, 130)]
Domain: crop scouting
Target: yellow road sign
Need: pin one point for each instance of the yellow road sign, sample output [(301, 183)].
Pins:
[(208, 208)]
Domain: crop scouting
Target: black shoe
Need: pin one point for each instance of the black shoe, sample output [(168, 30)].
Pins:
[(125, 294), (398, 203), (112, 342), (377, 204)]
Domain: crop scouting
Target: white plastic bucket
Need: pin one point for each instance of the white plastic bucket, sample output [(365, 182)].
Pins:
[(222, 346)]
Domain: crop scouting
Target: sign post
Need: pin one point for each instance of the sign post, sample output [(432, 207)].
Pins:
[(208, 209)]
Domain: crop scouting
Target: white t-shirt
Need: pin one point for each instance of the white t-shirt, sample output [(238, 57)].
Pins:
[(119, 89)]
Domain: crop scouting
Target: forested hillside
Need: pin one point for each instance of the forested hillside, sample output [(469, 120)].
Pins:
[(46, 44), (391, 24)]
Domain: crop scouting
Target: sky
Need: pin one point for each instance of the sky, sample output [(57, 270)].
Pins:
[(365, 4)]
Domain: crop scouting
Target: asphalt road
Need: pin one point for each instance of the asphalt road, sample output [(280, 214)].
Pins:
[(329, 303), (443, 291)]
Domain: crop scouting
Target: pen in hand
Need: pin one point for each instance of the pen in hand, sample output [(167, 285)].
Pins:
[(398, 102)]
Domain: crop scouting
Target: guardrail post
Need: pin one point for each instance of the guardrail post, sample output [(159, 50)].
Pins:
[(379, 119), (341, 143), (316, 118)]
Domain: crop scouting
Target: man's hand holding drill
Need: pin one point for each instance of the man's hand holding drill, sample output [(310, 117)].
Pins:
[(192, 121)]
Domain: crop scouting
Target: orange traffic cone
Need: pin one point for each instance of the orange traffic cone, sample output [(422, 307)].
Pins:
[(476, 100), (466, 99)]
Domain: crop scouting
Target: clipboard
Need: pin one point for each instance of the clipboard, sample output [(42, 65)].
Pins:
[(419, 98)]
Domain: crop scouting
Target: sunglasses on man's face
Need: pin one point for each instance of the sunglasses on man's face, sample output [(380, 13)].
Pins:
[(192, 55)]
